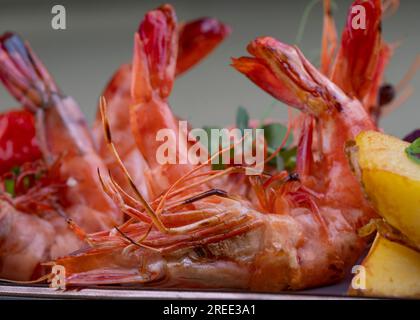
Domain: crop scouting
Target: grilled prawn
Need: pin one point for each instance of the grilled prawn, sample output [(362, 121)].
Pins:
[(34, 227), (301, 232), (196, 39)]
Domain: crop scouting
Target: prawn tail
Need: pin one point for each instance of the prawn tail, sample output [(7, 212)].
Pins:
[(197, 39), (361, 48), (372, 99), (155, 55), (283, 71), (23, 74)]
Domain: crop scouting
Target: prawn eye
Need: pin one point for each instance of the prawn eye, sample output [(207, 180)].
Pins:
[(294, 176), (386, 94)]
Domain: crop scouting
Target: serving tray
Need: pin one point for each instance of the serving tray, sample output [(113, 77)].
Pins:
[(44, 292)]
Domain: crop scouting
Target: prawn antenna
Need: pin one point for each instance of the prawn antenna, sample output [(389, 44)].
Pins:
[(149, 210), (47, 277)]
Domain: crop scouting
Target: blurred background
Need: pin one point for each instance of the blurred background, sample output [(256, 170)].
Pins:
[(99, 38)]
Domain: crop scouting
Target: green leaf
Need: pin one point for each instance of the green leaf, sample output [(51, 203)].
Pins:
[(274, 134), (208, 131), (279, 163), (218, 166), (413, 151), (267, 113), (39, 175), (214, 166), (289, 158), (15, 170), (242, 118), (285, 159), (9, 185), (26, 182)]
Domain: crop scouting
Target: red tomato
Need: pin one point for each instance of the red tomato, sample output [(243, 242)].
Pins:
[(17, 139)]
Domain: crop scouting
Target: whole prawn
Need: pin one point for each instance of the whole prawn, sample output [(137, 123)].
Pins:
[(301, 231), (196, 39), (68, 152)]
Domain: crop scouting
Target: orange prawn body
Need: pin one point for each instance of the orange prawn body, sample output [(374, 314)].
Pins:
[(249, 250), (196, 39), (288, 231), (68, 152), (64, 139), (298, 231)]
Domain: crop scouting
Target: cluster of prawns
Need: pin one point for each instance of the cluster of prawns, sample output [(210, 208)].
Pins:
[(51, 193), (190, 226)]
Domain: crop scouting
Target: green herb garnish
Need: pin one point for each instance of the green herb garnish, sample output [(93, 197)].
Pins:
[(274, 134), (9, 185), (413, 151), (214, 166), (242, 119), (289, 158), (15, 170), (26, 182)]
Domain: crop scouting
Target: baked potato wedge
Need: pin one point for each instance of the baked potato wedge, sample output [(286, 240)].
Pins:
[(390, 179), (390, 270)]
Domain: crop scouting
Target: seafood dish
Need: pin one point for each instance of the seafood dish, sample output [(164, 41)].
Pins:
[(140, 199)]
